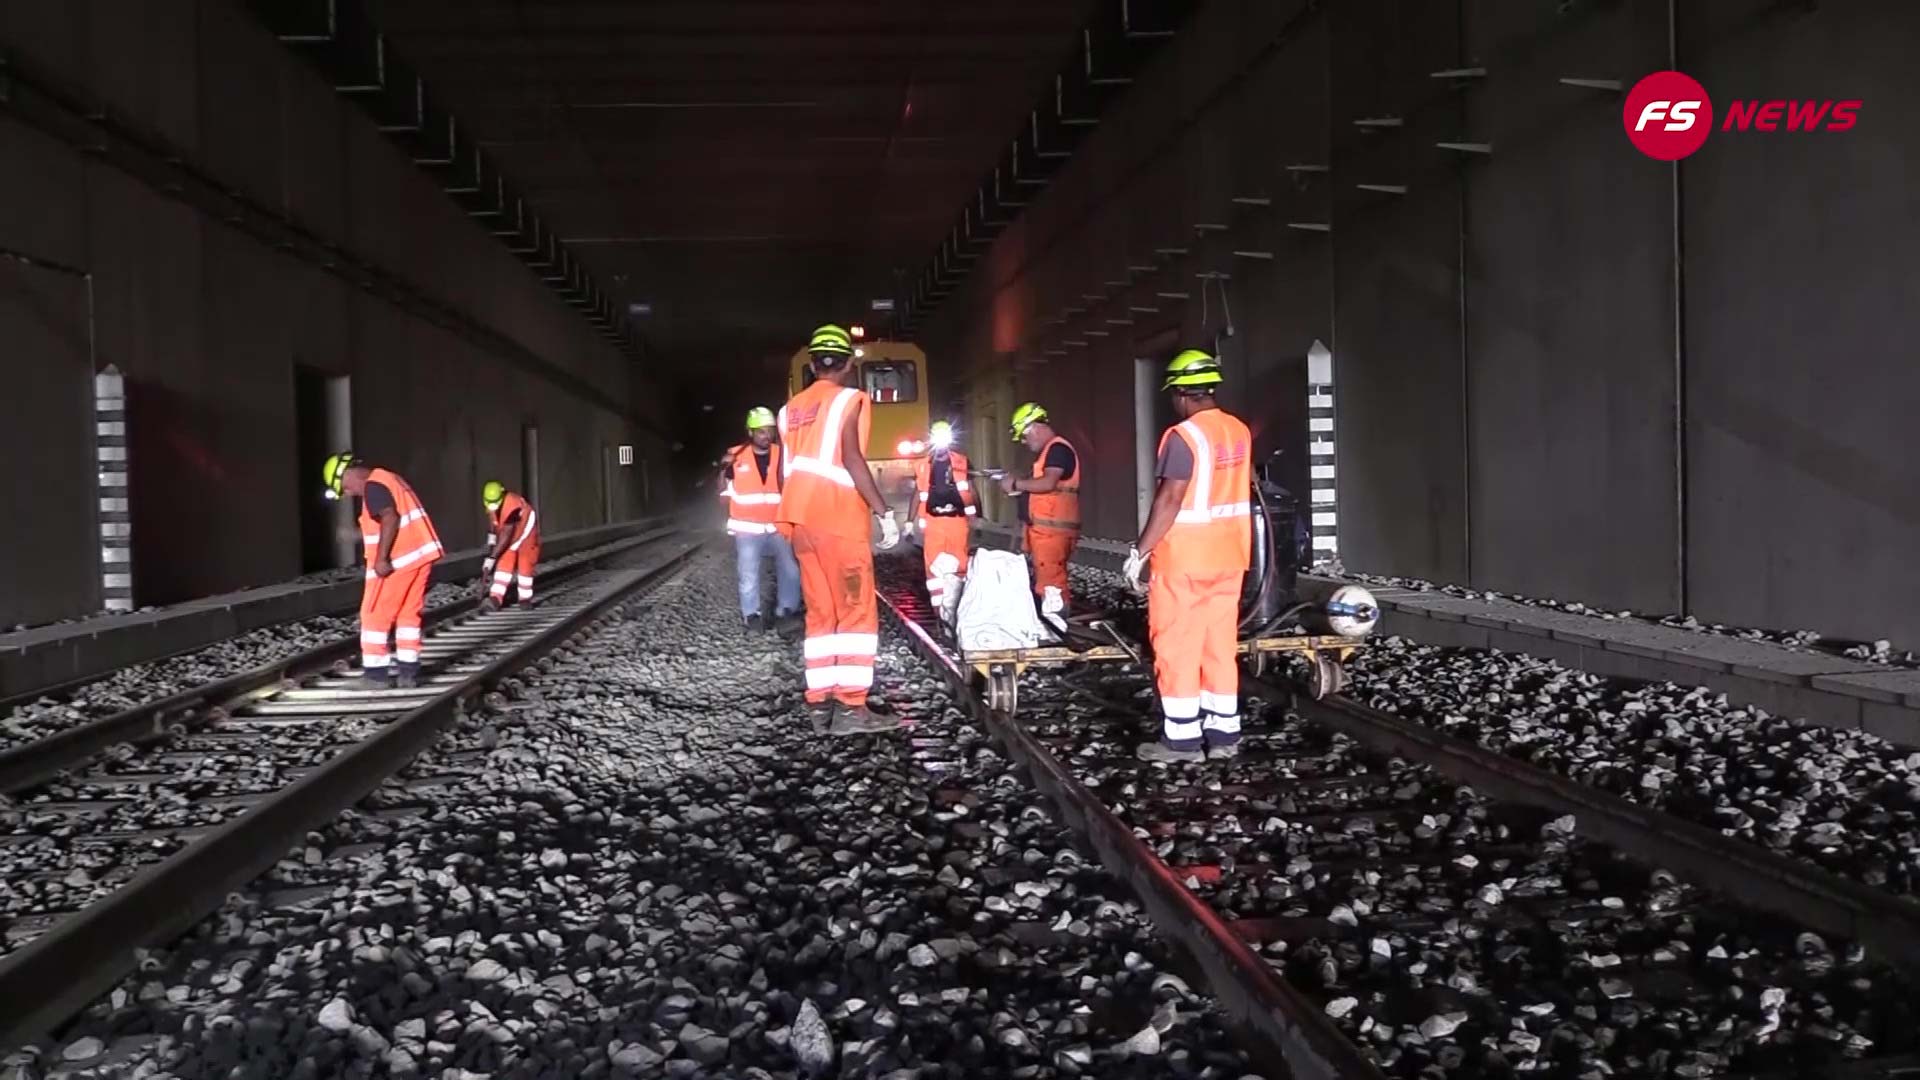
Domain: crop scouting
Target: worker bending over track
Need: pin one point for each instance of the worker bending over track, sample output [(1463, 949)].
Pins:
[(751, 484), (947, 510), (513, 543), (829, 496), (1199, 536), (401, 548), (1051, 509)]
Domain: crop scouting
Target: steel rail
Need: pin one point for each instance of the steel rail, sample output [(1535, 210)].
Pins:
[(1746, 873), (33, 763), (63, 970), (1281, 1024)]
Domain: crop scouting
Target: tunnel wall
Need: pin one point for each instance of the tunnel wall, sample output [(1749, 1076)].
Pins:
[(209, 323), (1530, 398)]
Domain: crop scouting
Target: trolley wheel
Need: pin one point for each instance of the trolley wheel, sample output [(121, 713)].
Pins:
[(1003, 688), (1325, 677)]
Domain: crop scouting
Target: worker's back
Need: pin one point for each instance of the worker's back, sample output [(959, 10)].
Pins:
[(819, 490), (1213, 532)]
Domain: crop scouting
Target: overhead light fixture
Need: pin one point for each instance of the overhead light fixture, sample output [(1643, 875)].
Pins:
[(883, 304), (638, 310), (858, 331)]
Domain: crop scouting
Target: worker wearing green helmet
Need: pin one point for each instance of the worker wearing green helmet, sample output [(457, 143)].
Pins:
[(1199, 537), (828, 505), (401, 548), (1049, 505), (751, 482), (513, 544)]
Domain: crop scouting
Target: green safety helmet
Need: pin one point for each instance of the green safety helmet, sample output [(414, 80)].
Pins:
[(1025, 417), (758, 417), (940, 434), (334, 470), (1192, 368), (831, 340), (492, 494)]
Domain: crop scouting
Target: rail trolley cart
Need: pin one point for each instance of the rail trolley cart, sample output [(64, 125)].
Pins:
[(1337, 626), (1000, 669)]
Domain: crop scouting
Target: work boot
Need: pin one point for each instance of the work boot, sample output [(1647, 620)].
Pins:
[(406, 676), (790, 626), (493, 603), (376, 679), (863, 720), (821, 715), (1223, 751), (1158, 750), (756, 623)]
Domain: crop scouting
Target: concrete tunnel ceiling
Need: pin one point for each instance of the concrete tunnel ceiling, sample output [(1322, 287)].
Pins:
[(747, 169)]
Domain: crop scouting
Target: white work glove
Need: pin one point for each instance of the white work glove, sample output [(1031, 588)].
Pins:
[(486, 567), (1134, 569), (889, 531)]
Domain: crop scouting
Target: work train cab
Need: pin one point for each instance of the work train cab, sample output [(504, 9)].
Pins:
[(894, 375)]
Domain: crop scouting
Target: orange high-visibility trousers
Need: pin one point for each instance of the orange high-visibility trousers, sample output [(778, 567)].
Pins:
[(943, 536), (1193, 621), (391, 605), (1051, 549), (843, 615), (515, 568)]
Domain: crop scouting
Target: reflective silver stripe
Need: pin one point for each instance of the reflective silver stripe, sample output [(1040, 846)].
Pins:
[(765, 498), (412, 516), (962, 485), (786, 460), (370, 539), (1202, 466), (1181, 708), (751, 528), (370, 637), (970, 511), (406, 633), (424, 551), (819, 468), (1181, 731), (527, 529)]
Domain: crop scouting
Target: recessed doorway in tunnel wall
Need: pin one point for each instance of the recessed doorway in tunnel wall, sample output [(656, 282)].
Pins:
[(323, 425)]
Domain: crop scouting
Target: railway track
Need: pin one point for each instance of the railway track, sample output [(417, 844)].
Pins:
[(125, 835), (1368, 897)]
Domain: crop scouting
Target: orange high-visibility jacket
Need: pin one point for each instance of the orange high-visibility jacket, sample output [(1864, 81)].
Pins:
[(415, 543), (923, 481), (753, 504), (819, 490), (1059, 508), (1213, 532), (527, 532)]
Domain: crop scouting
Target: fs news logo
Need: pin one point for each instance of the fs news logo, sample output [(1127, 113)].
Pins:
[(1668, 115)]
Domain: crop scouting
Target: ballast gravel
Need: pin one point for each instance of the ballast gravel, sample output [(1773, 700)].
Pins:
[(652, 867)]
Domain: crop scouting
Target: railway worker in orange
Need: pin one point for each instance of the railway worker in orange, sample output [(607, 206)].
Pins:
[(401, 548), (1198, 538), (514, 543), (1051, 509), (947, 508), (828, 503), (751, 484)]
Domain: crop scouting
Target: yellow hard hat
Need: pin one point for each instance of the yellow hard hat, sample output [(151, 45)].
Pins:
[(758, 417), (831, 340), (492, 494), (332, 472), (1193, 368), (1025, 417)]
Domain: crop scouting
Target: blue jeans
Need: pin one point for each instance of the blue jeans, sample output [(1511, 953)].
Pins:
[(750, 553)]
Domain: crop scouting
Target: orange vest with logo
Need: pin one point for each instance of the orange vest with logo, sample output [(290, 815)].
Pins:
[(1213, 532), (528, 531), (1059, 508), (923, 482), (819, 492), (414, 543), (753, 504)]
